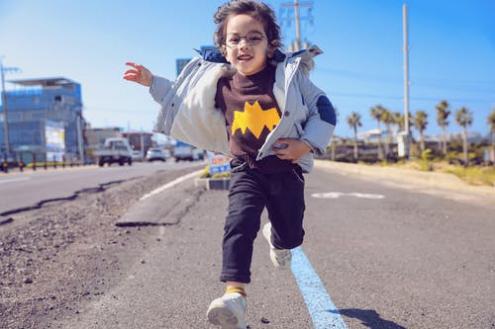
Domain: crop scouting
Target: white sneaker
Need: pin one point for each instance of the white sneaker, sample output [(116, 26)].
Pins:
[(228, 311), (280, 257)]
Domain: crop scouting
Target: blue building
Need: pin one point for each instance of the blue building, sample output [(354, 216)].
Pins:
[(44, 119)]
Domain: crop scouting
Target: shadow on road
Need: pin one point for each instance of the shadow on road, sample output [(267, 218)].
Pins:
[(369, 318)]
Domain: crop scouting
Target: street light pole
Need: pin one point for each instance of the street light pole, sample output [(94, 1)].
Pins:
[(406, 81), (80, 134)]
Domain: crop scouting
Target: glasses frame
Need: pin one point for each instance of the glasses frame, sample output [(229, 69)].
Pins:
[(261, 35)]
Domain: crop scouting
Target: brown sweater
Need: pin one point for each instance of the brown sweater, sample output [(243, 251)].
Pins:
[(251, 113)]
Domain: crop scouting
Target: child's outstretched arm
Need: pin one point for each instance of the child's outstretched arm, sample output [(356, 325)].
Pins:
[(158, 86), (139, 74)]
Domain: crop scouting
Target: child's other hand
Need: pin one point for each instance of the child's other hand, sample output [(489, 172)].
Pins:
[(138, 74), (294, 150)]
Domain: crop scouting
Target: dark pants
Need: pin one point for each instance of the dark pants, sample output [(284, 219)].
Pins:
[(250, 192)]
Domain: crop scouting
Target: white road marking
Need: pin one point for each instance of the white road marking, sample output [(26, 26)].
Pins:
[(2, 181), (336, 195), (171, 184)]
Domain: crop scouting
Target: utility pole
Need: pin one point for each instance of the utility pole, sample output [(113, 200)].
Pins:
[(297, 17), (406, 81), (80, 138), (4, 70)]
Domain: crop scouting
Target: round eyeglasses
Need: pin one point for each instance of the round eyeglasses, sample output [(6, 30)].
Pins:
[(252, 39)]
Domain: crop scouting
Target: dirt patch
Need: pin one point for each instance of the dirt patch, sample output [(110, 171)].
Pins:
[(54, 259)]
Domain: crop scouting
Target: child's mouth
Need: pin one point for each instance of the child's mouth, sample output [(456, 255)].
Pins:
[(244, 58)]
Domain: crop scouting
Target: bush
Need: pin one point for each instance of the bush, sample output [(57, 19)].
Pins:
[(425, 162)]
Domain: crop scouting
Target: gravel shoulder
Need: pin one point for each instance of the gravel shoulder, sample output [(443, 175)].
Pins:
[(56, 259)]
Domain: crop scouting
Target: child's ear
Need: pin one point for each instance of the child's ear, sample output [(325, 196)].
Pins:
[(271, 50)]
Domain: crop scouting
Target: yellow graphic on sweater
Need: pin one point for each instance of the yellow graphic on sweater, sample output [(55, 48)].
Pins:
[(255, 118)]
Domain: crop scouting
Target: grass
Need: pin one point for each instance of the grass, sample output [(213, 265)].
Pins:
[(474, 175)]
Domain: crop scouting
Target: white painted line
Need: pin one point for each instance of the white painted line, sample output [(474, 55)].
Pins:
[(367, 196), (171, 184), (327, 195), (320, 306), (2, 181), (336, 195)]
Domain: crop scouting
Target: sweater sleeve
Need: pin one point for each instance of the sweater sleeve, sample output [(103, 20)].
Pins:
[(322, 119), (159, 88)]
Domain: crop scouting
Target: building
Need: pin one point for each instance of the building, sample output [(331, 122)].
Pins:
[(95, 137), (44, 120), (139, 141), (180, 63)]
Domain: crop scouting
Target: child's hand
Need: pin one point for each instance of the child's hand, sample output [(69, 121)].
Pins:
[(138, 74), (294, 150)]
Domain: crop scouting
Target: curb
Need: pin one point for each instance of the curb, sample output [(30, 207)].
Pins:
[(213, 183), (6, 220)]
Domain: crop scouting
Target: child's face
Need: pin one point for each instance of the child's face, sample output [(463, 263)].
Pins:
[(246, 44)]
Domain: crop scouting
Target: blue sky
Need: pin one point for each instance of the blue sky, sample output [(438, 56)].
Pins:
[(452, 52)]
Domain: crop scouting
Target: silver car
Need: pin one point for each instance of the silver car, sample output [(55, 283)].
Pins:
[(156, 154)]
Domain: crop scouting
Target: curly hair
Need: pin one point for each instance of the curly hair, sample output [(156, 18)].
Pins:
[(256, 9)]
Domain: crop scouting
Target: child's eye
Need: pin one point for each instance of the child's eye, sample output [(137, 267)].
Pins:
[(254, 38), (233, 40)]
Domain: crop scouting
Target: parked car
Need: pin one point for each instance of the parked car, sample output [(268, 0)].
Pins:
[(156, 154), (115, 150), (187, 152)]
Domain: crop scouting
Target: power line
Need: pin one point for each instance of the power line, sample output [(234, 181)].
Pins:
[(391, 79), (418, 98)]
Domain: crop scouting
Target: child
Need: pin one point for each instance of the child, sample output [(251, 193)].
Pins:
[(256, 104)]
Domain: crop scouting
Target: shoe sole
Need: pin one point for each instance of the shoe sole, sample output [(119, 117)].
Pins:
[(222, 316)]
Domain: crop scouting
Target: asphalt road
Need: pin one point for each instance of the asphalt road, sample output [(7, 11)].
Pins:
[(387, 257), (26, 189)]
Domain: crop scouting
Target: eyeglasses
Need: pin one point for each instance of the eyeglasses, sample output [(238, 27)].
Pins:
[(252, 39)]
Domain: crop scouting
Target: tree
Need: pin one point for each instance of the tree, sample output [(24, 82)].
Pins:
[(398, 121), (464, 118), (401, 121), (491, 123), (377, 114), (420, 122), (354, 121), (443, 113), (388, 120)]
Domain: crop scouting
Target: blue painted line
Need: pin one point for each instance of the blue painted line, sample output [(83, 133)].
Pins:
[(321, 308)]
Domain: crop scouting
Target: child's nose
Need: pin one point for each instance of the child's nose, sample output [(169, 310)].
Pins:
[(243, 44)]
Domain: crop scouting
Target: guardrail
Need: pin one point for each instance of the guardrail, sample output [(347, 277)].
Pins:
[(6, 167)]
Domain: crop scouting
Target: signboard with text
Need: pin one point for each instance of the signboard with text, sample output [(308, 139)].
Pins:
[(218, 163), (54, 140)]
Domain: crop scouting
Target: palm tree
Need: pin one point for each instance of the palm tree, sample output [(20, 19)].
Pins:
[(377, 114), (442, 115), (397, 117), (464, 118), (420, 122), (388, 120), (354, 121), (491, 123)]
